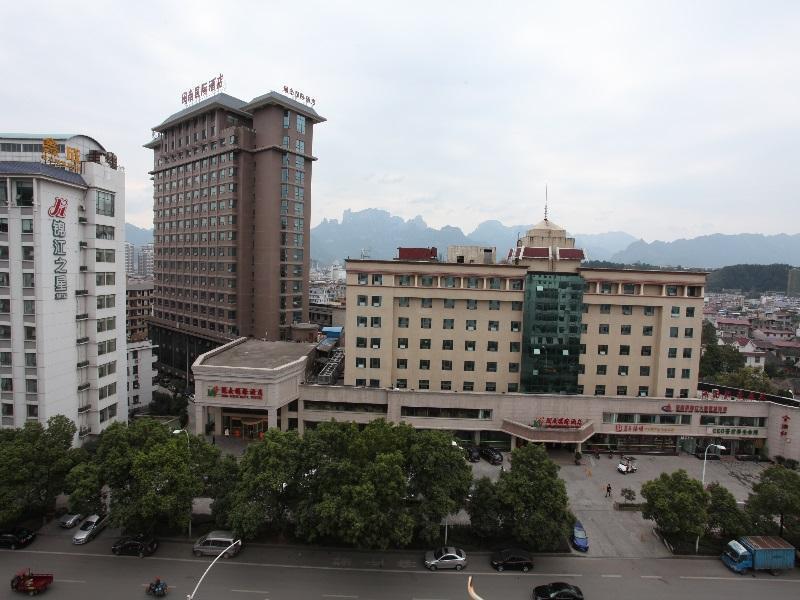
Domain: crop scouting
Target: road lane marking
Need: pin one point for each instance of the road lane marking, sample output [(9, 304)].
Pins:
[(251, 591), (739, 579), (610, 575), (69, 581), (651, 577), (338, 596), (235, 562)]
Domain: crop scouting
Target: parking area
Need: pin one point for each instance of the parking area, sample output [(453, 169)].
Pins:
[(614, 533)]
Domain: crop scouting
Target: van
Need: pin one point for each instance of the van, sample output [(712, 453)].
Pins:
[(215, 542)]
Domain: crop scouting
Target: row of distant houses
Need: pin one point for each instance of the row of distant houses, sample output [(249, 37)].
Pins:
[(760, 336)]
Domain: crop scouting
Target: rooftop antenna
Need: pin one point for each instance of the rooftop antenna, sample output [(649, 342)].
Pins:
[(545, 202)]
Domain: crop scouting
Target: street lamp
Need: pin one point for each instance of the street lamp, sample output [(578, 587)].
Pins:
[(703, 483), (189, 457), (220, 555)]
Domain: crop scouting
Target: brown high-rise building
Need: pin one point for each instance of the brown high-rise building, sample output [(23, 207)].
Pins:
[(232, 205)]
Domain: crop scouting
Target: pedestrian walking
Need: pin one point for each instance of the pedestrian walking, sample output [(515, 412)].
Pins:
[(608, 491)]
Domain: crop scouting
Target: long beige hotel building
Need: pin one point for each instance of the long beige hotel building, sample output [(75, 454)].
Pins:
[(534, 349), (539, 324)]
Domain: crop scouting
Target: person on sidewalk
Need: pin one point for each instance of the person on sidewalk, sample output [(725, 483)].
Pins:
[(608, 491)]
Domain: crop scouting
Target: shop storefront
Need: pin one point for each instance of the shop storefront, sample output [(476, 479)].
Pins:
[(245, 424)]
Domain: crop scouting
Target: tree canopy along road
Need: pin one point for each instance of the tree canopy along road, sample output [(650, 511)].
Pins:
[(299, 573)]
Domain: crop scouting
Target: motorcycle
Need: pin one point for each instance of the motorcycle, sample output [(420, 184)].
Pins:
[(627, 467), (157, 588)]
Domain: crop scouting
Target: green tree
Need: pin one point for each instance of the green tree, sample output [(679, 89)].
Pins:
[(412, 478), (484, 509), (776, 495), (267, 485), (34, 462), (534, 500), (747, 378), (677, 503), (84, 488), (717, 360), (438, 477), (152, 475), (709, 334), (724, 515)]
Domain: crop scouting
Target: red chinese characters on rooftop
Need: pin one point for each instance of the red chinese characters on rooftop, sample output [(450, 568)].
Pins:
[(203, 90), (298, 95)]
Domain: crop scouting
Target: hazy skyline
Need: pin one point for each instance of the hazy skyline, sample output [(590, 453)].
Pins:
[(664, 120)]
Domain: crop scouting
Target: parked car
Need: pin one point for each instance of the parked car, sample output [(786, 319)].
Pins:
[(90, 528), (215, 542), (557, 591), (16, 537), (446, 557), (473, 454), (580, 541), (512, 558), (69, 521), (138, 545), (492, 455)]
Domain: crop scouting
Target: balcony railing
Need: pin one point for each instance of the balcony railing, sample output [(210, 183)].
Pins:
[(82, 364), (84, 431), (83, 386), (82, 317), (83, 409), (83, 340)]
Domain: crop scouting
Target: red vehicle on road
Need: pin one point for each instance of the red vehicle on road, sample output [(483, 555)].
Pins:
[(30, 583)]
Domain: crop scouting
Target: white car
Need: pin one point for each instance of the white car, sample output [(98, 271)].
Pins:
[(446, 557), (69, 521), (89, 529), (627, 467)]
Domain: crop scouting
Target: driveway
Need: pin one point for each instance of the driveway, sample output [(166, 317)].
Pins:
[(614, 533)]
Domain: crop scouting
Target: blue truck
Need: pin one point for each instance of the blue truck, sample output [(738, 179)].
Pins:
[(759, 553)]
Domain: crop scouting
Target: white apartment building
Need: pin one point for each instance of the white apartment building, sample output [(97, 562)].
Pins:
[(130, 262), (141, 370), (144, 261), (62, 281)]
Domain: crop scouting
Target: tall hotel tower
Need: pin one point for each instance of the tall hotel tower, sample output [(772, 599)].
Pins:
[(62, 282), (232, 205)]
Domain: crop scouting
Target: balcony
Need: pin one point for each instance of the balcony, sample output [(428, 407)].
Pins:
[(82, 220), (83, 340), (84, 409), (82, 317), (83, 244), (84, 386), (81, 292), (82, 364), (84, 431)]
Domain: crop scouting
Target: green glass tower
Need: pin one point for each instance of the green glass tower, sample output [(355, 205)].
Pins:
[(551, 333)]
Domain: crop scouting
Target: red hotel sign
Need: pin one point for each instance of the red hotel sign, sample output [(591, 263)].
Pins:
[(235, 392), (695, 408), (558, 423)]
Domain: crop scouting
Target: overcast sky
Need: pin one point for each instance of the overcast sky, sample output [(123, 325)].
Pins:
[(662, 119)]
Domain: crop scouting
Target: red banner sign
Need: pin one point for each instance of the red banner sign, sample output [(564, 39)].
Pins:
[(695, 408), (558, 423), (235, 392)]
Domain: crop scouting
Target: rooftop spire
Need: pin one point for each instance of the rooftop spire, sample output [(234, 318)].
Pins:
[(545, 202)]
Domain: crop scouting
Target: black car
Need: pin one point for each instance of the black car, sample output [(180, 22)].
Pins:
[(16, 538), (557, 591), (512, 558), (139, 545), (492, 455), (473, 454)]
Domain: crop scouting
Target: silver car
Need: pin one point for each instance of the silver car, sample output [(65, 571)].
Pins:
[(69, 521), (446, 557), (89, 529)]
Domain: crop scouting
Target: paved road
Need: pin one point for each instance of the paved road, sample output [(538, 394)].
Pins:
[(297, 573)]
